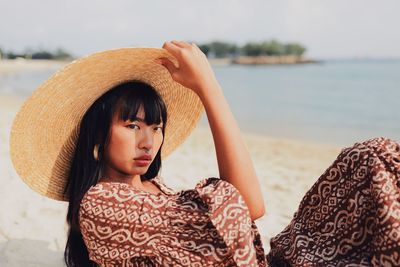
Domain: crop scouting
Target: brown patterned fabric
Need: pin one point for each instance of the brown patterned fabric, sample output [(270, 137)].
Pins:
[(209, 225), (351, 215)]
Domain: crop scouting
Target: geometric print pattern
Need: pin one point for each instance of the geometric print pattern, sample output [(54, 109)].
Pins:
[(351, 215), (209, 225)]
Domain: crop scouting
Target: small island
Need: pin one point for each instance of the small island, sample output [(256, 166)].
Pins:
[(255, 53)]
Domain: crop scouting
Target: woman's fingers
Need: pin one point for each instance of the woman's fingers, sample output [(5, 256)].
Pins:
[(167, 64), (176, 47), (181, 44), (172, 48)]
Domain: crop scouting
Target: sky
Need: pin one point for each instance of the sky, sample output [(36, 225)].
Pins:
[(327, 28)]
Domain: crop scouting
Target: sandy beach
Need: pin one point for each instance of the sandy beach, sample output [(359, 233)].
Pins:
[(21, 65), (32, 227)]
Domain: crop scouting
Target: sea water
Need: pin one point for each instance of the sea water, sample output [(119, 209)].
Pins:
[(338, 102)]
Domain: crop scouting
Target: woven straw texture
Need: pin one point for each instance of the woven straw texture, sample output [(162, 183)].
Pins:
[(44, 131)]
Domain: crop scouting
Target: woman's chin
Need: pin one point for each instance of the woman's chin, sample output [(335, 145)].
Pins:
[(140, 170)]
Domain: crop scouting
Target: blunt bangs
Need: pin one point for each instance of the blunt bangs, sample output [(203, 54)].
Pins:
[(136, 94)]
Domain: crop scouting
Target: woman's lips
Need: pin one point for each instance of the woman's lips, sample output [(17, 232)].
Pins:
[(142, 162)]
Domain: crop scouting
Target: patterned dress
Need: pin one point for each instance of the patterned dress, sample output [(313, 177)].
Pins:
[(349, 217), (209, 225)]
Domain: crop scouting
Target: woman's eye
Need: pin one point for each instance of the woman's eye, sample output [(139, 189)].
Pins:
[(159, 129), (132, 126)]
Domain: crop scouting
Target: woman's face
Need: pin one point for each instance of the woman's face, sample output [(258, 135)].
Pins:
[(130, 140)]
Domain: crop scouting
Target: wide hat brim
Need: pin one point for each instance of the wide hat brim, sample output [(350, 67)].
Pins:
[(45, 130)]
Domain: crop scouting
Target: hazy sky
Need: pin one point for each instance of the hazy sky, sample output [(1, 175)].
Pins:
[(328, 28)]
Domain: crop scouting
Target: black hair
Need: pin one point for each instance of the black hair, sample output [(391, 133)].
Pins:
[(85, 171)]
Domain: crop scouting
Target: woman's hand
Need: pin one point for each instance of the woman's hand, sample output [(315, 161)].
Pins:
[(194, 70)]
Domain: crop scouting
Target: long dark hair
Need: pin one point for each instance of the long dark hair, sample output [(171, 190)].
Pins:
[(95, 126)]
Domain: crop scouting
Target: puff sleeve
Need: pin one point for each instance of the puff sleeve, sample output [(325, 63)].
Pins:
[(231, 217)]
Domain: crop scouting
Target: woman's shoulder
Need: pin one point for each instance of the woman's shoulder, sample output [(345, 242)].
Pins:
[(122, 194), (159, 181), (124, 191), (111, 194)]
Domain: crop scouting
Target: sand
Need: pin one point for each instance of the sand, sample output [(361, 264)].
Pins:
[(22, 65), (33, 229)]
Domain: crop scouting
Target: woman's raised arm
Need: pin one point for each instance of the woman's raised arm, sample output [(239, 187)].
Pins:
[(234, 162)]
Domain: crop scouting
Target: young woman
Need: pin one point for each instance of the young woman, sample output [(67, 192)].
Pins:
[(133, 120), (122, 214)]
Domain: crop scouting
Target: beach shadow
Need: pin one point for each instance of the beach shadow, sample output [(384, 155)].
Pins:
[(29, 253)]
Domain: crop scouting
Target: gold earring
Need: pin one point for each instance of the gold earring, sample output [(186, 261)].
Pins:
[(96, 152)]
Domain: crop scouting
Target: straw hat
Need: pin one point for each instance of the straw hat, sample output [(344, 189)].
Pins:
[(45, 130)]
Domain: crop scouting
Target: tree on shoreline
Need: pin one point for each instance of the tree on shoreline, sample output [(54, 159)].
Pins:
[(220, 49), (58, 54)]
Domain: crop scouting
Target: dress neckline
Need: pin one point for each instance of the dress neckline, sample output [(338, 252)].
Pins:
[(154, 180)]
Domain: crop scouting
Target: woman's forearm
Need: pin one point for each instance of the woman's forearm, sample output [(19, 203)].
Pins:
[(234, 161)]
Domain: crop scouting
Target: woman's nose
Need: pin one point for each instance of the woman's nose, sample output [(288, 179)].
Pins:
[(146, 139)]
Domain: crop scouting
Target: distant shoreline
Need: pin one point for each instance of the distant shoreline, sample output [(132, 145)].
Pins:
[(263, 60)]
